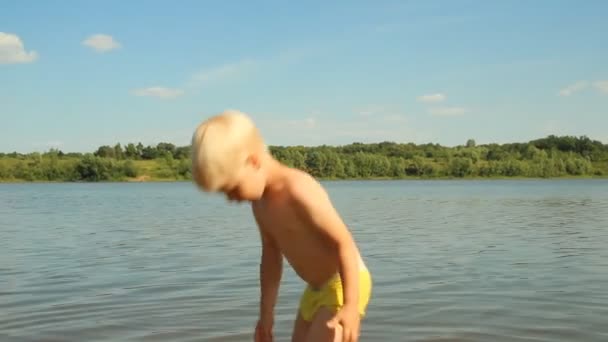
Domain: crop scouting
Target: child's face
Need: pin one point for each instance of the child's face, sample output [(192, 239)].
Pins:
[(247, 185)]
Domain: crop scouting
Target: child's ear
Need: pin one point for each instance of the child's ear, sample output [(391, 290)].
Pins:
[(254, 160)]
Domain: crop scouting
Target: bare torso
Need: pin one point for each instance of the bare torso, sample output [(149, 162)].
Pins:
[(312, 257)]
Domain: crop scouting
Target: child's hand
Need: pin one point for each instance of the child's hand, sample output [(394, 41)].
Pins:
[(349, 318), (263, 331)]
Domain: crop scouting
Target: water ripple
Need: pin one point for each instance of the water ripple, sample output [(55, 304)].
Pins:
[(451, 261)]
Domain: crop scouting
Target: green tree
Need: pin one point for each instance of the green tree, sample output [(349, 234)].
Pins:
[(131, 152), (92, 168), (460, 167), (105, 151), (118, 152), (547, 157)]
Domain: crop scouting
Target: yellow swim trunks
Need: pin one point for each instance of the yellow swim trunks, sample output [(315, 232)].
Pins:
[(331, 296)]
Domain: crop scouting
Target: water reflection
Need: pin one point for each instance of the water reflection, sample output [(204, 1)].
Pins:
[(452, 261)]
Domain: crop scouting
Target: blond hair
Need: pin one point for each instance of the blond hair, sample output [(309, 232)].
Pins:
[(220, 147)]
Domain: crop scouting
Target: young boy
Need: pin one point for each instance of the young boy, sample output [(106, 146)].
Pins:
[(296, 220)]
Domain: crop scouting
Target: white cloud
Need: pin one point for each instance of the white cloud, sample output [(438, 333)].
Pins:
[(573, 88), (385, 113), (432, 98), (223, 72), (369, 110), (448, 111), (379, 123), (335, 131), (395, 118), (101, 43), (159, 92), (309, 122), (239, 69), (293, 55), (12, 50), (602, 86)]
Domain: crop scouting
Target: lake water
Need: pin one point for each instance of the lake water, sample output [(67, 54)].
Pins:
[(451, 260)]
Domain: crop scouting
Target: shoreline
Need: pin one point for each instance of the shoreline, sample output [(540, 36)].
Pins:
[(321, 179)]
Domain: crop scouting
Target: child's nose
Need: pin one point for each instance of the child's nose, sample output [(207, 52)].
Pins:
[(232, 196)]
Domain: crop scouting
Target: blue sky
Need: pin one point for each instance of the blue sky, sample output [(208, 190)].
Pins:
[(79, 74)]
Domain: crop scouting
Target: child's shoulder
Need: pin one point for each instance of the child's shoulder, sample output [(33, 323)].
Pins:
[(305, 191), (311, 202), (300, 183)]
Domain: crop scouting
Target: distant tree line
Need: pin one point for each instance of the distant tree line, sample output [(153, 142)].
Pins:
[(108, 163), (548, 157), (552, 156), (139, 152)]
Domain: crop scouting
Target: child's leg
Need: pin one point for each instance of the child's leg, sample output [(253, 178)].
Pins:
[(319, 331), (300, 329)]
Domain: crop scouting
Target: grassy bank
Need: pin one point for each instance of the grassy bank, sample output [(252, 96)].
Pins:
[(551, 157)]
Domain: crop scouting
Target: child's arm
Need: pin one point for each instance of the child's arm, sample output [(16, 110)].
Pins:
[(271, 269)]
